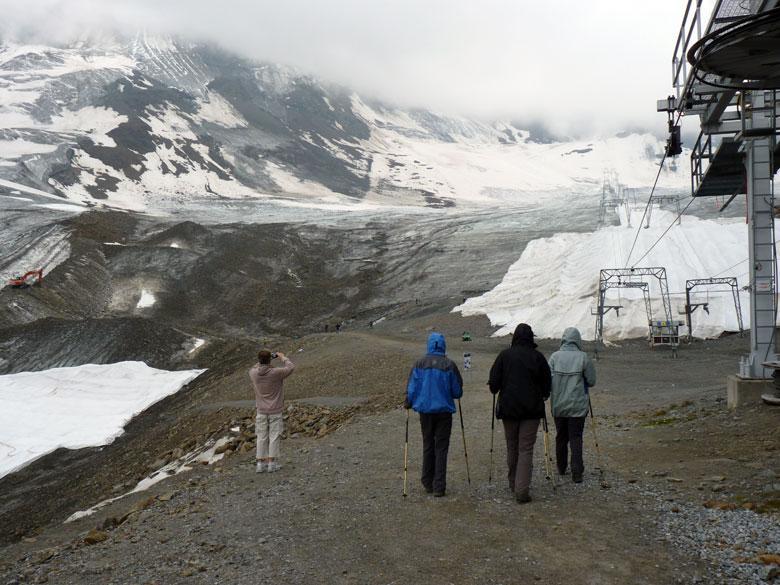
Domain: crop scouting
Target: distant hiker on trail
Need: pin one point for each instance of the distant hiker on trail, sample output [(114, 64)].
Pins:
[(572, 374), (433, 386), (521, 376), (269, 396)]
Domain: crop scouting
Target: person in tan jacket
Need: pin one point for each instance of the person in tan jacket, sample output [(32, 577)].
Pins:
[(269, 397)]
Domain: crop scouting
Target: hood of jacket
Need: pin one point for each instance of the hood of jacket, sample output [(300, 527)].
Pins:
[(524, 335), (436, 344), (263, 369), (571, 339)]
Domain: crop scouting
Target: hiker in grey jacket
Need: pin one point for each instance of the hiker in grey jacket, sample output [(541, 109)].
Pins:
[(572, 374)]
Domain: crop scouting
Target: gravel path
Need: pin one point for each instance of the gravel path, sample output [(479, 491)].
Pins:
[(335, 514)]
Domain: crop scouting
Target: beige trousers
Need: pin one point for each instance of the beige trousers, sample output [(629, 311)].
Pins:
[(268, 428)]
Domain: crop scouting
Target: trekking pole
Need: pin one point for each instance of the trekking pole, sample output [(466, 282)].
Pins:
[(406, 453), (492, 432), (547, 460), (602, 481), (463, 433)]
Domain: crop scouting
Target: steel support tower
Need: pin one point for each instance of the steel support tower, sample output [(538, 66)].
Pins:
[(663, 199), (610, 278), (728, 73), (614, 195), (691, 307)]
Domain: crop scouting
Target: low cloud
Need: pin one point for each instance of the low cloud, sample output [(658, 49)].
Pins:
[(575, 67)]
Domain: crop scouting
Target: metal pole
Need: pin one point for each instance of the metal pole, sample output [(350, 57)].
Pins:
[(465, 451), (737, 306), (406, 454), (758, 162), (492, 433), (547, 459), (688, 313), (599, 462)]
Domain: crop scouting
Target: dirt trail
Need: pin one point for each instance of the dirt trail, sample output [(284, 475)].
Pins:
[(335, 514)]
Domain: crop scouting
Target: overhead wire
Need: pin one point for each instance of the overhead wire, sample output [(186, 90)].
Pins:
[(694, 67), (649, 201), (666, 231), (777, 241)]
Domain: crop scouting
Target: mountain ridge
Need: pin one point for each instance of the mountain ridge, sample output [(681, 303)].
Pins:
[(128, 124)]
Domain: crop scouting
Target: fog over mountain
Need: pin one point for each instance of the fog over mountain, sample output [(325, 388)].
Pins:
[(146, 121), (576, 68)]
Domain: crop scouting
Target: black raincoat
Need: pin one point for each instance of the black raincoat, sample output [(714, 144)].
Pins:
[(522, 378)]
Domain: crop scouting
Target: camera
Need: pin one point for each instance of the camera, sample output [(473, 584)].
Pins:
[(274, 355)]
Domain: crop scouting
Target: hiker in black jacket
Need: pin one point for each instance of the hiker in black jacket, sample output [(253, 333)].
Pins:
[(522, 378)]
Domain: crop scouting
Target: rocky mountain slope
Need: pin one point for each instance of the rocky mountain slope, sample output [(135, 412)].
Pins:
[(144, 122)]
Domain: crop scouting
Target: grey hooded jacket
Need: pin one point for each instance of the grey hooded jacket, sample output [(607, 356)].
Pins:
[(571, 369)]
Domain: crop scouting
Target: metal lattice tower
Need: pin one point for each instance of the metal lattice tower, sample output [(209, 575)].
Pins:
[(611, 278), (691, 307), (614, 195), (663, 199), (728, 74)]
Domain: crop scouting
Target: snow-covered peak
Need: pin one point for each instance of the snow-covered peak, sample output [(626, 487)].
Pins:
[(130, 123)]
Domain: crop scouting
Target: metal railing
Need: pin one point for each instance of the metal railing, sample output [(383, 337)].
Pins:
[(724, 13), (701, 151), (691, 20)]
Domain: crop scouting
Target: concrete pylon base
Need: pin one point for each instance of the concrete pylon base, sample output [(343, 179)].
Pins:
[(741, 391)]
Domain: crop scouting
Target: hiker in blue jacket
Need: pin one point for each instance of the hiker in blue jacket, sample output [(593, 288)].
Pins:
[(434, 384)]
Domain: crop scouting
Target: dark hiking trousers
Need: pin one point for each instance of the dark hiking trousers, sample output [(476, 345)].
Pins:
[(436, 429), (568, 431), (520, 439)]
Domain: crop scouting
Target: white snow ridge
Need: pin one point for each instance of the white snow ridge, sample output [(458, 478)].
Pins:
[(554, 284), (147, 300), (76, 407)]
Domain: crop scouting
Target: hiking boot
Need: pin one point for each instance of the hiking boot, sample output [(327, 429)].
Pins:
[(439, 494), (273, 466), (576, 477), (260, 467), (428, 489), (523, 497)]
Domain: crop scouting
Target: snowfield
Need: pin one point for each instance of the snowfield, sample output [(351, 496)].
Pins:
[(174, 141), (554, 284), (475, 167), (76, 407)]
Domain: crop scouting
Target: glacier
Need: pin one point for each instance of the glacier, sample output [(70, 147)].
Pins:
[(554, 283)]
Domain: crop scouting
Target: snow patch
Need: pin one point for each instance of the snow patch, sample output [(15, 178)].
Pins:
[(147, 300), (30, 190), (61, 207), (197, 343), (554, 284), (76, 407), (217, 110), (205, 455), (12, 149), (92, 121)]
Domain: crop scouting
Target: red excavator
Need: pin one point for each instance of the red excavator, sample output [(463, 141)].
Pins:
[(30, 278)]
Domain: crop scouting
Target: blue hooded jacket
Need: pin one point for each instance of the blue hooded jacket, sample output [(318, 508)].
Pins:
[(434, 382)]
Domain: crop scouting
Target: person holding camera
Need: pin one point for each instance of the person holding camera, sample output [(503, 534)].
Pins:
[(269, 396)]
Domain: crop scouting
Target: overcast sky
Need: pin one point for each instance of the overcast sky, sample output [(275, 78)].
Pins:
[(578, 66)]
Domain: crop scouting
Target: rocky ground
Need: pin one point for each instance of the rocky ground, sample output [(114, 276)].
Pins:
[(682, 491), (690, 492)]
